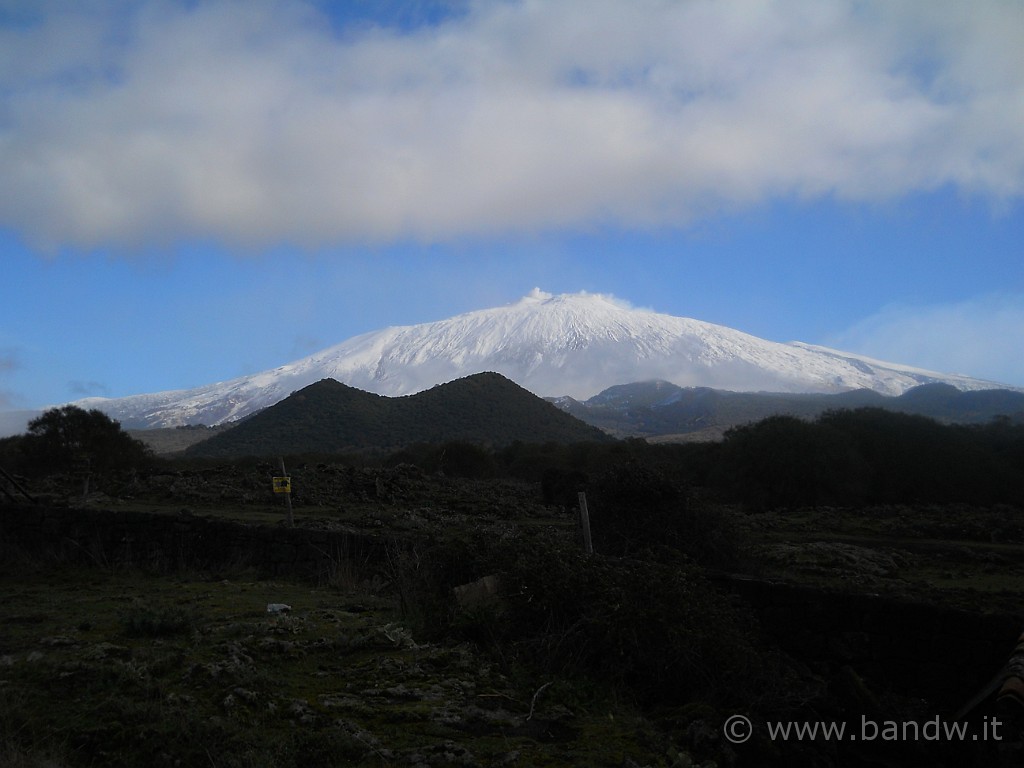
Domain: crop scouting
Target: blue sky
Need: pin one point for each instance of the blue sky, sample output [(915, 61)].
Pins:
[(194, 191)]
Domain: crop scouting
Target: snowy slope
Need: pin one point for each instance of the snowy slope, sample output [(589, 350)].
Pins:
[(572, 344)]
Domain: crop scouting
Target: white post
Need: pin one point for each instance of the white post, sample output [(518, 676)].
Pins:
[(588, 546)]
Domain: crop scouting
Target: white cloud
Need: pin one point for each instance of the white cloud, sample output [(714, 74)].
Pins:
[(257, 122), (980, 337)]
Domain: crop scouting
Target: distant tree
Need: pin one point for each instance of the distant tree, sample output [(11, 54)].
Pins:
[(70, 437)]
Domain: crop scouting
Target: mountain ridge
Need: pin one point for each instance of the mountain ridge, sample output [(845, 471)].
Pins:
[(656, 409), (573, 345)]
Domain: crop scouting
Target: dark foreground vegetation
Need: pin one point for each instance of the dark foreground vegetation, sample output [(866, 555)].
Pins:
[(635, 655)]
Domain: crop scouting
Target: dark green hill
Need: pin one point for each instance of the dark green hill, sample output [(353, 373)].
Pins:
[(330, 417)]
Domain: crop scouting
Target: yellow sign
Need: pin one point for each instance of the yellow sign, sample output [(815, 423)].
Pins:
[(282, 485)]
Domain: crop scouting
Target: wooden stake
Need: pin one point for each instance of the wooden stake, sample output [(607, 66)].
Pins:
[(588, 546), (287, 496)]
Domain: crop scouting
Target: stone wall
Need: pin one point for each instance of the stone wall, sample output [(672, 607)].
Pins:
[(170, 541)]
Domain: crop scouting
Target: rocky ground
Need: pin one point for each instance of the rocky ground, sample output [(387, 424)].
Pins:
[(101, 667)]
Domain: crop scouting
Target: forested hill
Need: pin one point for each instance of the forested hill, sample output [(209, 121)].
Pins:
[(330, 417)]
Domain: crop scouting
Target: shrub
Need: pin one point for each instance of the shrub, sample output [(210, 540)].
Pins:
[(162, 621)]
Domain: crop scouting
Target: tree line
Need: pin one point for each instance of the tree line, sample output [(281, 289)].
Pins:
[(871, 456), (856, 457)]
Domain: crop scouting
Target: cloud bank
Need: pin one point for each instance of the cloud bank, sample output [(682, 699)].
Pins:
[(982, 336), (261, 122)]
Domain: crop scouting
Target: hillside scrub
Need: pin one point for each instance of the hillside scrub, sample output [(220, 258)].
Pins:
[(871, 456)]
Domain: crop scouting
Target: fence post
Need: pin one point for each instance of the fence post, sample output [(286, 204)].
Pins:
[(588, 546)]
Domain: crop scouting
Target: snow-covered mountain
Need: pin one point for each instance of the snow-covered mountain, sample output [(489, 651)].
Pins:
[(572, 344)]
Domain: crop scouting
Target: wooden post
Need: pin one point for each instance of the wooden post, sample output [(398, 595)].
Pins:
[(287, 496), (588, 546)]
